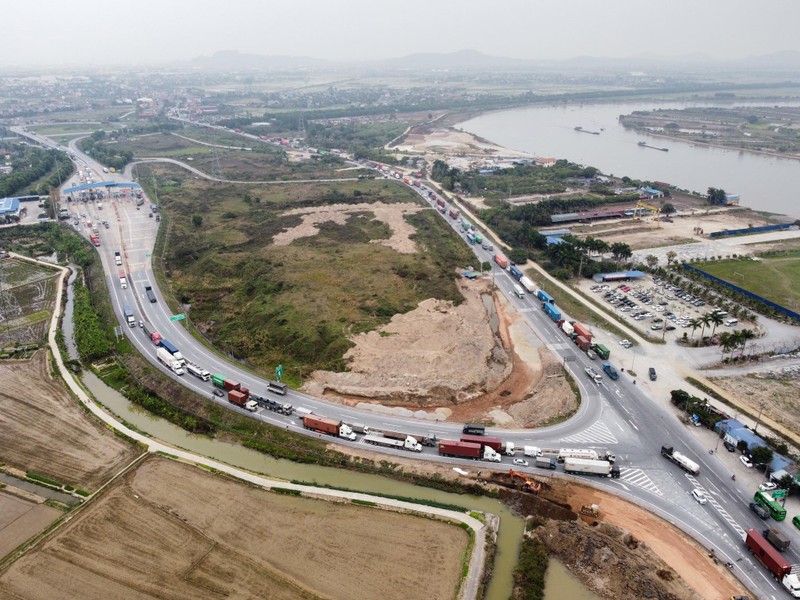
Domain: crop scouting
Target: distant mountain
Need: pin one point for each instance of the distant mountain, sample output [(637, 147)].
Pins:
[(462, 59), (231, 60)]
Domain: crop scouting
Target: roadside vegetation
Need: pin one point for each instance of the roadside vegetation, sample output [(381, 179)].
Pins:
[(35, 171)]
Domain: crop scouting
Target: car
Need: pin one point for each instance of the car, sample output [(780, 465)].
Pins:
[(796, 522), (760, 511), (652, 372), (768, 486), (728, 446), (657, 327), (746, 461), (699, 495), (521, 462), (218, 392), (671, 327)]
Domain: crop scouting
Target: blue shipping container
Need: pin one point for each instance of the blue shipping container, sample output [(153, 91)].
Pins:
[(552, 311), (515, 272), (168, 346), (544, 296)]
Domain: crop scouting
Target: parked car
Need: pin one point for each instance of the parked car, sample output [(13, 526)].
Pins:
[(796, 522), (652, 372), (746, 461), (699, 495), (768, 486), (762, 512), (729, 447)]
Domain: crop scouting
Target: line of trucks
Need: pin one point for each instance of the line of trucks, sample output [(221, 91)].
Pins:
[(577, 332), (766, 550)]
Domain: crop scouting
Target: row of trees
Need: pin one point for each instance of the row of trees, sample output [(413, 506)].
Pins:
[(31, 165), (110, 156)]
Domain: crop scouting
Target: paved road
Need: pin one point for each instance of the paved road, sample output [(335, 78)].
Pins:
[(615, 415)]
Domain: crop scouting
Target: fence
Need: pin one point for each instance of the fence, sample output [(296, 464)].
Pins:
[(749, 294), (749, 230)]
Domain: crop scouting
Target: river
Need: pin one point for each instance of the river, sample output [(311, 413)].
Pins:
[(765, 183)]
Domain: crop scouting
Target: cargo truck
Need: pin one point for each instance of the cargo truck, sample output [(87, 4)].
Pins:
[(328, 427), (172, 349), (501, 260), (494, 443), (148, 290), (777, 539), (545, 297), (518, 291), (198, 372), (773, 561), (242, 400), (591, 467), (610, 371), (118, 258), (601, 351), (123, 281), (679, 459), (151, 332), (467, 450), (582, 330), (585, 453), (225, 383), (270, 404), (408, 444), (582, 343), (527, 284), (169, 361), (552, 311), (478, 238), (129, 318), (470, 237), (359, 428), (95, 239), (425, 440), (276, 387), (515, 272), (453, 214), (543, 462), (474, 429), (533, 451), (567, 328)]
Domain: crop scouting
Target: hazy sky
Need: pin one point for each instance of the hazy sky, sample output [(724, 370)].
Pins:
[(57, 32)]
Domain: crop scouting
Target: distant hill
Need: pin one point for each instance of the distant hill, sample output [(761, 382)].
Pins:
[(231, 60)]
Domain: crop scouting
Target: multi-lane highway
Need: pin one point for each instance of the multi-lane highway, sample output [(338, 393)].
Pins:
[(615, 415)]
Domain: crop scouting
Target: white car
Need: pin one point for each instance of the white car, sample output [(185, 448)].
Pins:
[(699, 495), (746, 461), (768, 486), (521, 462)]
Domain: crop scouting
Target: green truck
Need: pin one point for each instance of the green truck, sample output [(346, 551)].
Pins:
[(601, 351)]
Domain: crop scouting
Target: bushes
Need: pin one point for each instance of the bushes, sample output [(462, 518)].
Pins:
[(530, 571), (89, 334)]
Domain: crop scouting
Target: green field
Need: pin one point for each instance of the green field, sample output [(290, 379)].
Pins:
[(297, 304), (774, 276)]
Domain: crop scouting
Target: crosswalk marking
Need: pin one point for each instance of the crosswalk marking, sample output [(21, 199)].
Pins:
[(597, 433), (640, 479), (713, 502)]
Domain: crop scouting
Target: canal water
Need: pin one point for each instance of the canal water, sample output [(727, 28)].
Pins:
[(764, 182)]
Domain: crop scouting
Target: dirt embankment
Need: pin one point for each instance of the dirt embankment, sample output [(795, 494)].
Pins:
[(44, 429), (459, 361), (777, 392)]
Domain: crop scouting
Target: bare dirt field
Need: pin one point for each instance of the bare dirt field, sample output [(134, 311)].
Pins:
[(43, 429), (203, 536), (21, 519), (778, 393)]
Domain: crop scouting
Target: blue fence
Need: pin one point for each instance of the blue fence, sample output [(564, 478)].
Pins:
[(749, 294), (749, 230)]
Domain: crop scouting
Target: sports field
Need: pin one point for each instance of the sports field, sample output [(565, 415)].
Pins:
[(775, 277)]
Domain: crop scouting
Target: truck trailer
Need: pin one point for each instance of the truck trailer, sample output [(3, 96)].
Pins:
[(129, 318), (777, 539), (467, 450), (679, 459), (773, 561), (151, 332), (166, 359), (172, 349), (408, 444), (148, 290), (582, 330), (544, 462), (494, 443), (501, 260), (586, 454), (582, 343), (474, 429), (567, 328), (545, 297), (328, 427), (527, 284), (515, 272), (425, 440), (601, 351), (552, 311), (591, 467), (242, 400), (198, 372)]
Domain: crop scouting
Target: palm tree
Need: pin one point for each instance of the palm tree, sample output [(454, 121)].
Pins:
[(671, 255), (704, 321), (746, 335), (716, 319), (695, 325)]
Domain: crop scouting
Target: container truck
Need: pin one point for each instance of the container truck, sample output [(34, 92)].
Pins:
[(467, 450), (533, 451), (586, 454), (552, 311), (567, 328), (478, 238), (545, 297), (679, 459), (270, 404), (408, 444), (95, 239), (129, 318), (582, 330), (242, 400), (601, 351), (172, 349), (773, 561), (544, 462), (470, 237), (453, 213), (118, 258), (359, 428), (527, 284), (151, 332), (198, 372), (515, 272), (276, 387), (610, 371), (474, 429), (425, 440), (591, 467), (123, 281), (582, 343), (169, 361), (328, 427), (148, 290), (440, 201), (501, 260), (777, 539), (518, 291), (494, 443)]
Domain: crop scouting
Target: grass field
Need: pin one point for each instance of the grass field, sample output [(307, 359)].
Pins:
[(774, 276), (297, 304)]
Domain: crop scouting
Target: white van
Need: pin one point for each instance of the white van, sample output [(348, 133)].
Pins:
[(519, 291), (732, 322)]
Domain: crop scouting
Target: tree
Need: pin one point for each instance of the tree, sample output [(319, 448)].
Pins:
[(715, 319), (705, 320), (746, 335), (197, 220), (651, 260), (621, 251), (671, 256), (695, 324), (761, 455), (716, 196), (518, 256), (486, 266), (667, 208)]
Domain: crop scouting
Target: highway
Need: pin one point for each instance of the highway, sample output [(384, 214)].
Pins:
[(614, 415)]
